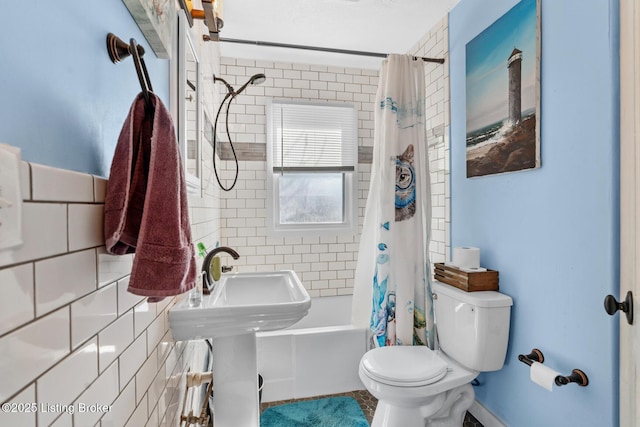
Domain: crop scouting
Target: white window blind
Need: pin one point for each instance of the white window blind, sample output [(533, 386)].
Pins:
[(313, 138)]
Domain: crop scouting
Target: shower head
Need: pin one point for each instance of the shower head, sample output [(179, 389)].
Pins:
[(256, 79)]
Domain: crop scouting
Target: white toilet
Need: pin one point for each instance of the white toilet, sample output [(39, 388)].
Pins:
[(418, 387)]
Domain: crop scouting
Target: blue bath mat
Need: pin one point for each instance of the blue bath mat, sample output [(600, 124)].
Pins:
[(327, 412)]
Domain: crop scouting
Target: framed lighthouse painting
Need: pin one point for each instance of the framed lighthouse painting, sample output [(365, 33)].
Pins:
[(503, 94)]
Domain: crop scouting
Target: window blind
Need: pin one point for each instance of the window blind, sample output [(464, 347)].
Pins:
[(313, 138)]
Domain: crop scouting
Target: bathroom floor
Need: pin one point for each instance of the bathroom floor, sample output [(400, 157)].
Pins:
[(368, 404)]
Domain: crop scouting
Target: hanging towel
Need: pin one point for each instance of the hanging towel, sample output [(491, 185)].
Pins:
[(145, 210)]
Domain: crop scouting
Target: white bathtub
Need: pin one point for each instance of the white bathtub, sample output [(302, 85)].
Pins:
[(319, 355)]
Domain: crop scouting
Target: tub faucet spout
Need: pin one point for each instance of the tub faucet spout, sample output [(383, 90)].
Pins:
[(209, 282)]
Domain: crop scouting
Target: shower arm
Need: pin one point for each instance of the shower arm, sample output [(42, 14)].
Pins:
[(229, 88)]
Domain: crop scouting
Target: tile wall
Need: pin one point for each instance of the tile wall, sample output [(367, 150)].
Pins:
[(70, 333), (325, 264), (435, 44)]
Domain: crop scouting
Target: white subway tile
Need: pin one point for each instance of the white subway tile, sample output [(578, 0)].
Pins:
[(99, 189), (21, 418), (112, 267), (85, 226), (165, 344), (63, 279), (126, 300), (235, 70), (76, 372), (101, 393), (317, 85), (145, 376), (310, 258), (64, 420), (171, 364), (132, 358), (122, 408), (114, 339), (44, 233), (143, 315), (155, 332), (292, 93), (31, 350), (52, 184), (92, 313), (153, 420), (310, 94), (162, 305), (17, 302), (139, 417)]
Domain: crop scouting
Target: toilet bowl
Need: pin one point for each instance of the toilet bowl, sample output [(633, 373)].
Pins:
[(416, 386)]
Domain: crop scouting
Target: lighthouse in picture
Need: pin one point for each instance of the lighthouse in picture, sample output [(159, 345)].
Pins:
[(515, 87)]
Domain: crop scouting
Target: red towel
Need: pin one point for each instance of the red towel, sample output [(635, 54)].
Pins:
[(145, 209)]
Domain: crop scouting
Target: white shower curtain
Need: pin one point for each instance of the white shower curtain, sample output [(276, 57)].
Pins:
[(392, 291)]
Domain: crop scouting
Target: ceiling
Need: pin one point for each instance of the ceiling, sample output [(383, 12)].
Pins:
[(384, 26)]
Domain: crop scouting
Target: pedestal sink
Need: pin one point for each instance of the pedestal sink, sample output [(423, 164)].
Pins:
[(240, 305)]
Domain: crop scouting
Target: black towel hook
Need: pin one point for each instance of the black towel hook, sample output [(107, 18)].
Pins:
[(119, 50)]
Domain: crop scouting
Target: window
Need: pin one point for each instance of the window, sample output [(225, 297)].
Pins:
[(312, 154)]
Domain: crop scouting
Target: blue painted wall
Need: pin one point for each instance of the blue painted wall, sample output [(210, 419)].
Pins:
[(62, 101), (553, 233)]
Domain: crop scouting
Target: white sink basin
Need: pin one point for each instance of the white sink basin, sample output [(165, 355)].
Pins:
[(242, 303)]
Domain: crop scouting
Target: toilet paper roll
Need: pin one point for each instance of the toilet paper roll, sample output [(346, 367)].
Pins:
[(466, 257), (543, 376)]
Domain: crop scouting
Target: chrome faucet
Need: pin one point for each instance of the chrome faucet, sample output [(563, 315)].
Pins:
[(206, 264)]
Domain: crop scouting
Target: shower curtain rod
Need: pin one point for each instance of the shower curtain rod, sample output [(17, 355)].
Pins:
[(321, 49)]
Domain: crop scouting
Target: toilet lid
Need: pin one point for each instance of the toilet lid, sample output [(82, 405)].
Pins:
[(404, 365)]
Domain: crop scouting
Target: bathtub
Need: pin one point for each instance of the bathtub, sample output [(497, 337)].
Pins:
[(317, 356)]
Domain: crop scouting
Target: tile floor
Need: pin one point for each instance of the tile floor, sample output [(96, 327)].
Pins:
[(368, 404)]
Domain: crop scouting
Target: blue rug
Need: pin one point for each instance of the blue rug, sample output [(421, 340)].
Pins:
[(328, 412)]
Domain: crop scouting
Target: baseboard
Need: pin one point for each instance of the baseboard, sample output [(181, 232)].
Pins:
[(485, 416)]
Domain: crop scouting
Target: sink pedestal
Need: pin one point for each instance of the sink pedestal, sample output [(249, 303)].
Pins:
[(240, 305), (235, 381)]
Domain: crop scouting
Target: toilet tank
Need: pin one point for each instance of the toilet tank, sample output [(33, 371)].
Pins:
[(473, 327)]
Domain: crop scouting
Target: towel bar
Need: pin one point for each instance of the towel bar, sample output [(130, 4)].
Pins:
[(119, 50)]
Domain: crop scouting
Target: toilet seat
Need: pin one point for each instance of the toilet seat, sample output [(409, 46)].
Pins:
[(404, 366)]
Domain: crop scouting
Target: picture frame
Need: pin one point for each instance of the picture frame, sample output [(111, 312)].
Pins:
[(156, 20), (503, 94)]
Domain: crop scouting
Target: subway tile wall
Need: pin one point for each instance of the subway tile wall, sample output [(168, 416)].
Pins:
[(435, 44), (326, 265), (70, 333)]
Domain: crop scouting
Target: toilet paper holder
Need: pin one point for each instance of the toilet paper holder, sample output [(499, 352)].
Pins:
[(577, 376)]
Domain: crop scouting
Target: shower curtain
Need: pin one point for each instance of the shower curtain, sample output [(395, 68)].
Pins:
[(392, 291)]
